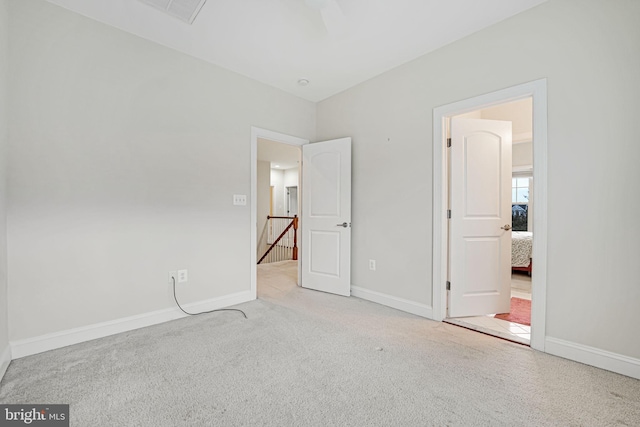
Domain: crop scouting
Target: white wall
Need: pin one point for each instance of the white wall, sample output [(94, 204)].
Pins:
[(124, 156), (263, 194), (280, 180), (277, 182), (290, 177), (588, 52), (4, 133), (290, 180)]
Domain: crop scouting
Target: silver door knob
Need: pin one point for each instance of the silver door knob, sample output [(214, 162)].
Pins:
[(506, 227), (344, 224)]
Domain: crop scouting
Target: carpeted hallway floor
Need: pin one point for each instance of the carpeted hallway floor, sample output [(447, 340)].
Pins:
[(305, 358)]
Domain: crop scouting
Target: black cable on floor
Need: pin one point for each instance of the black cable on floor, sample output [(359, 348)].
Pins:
[(203, 312)]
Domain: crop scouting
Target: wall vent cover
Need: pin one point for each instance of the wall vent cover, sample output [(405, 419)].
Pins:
[(185, 10)]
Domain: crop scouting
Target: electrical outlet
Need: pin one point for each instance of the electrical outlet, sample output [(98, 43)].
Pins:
[(372, 264), (182, 276), (173, 275), (240, 199)]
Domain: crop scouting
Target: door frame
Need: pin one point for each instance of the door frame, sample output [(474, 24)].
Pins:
[(256, 133), (538, 91)]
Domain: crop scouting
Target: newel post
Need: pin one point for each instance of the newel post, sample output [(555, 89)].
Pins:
[(295, 237)]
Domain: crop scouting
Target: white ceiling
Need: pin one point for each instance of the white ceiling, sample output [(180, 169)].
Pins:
[(280, 41), (280, 156)]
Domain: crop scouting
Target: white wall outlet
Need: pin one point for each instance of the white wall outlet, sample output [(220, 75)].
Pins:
[(240, 199), (372, 264), (182, 276), (173, 275)]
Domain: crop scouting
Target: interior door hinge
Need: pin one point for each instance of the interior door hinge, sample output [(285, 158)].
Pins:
[(448, 285), (449, 213), (448, 142)]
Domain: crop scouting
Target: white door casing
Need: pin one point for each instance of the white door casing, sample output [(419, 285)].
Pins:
[(480, 235), (326, 216), (537, 90)]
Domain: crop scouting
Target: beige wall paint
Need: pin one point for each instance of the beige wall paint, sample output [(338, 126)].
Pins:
[(4, 134), (522, 154), (588, 52), (124, 157), (519, 113)]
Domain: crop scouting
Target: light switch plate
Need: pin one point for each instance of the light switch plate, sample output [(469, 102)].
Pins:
[(240, 199)]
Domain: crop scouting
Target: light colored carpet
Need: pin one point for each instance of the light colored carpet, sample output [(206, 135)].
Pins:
[(306, 358)]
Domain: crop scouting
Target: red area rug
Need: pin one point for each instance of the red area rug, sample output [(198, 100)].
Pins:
[(520, 312)]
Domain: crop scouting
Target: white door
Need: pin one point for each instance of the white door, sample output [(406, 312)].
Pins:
[(326, 216), (480, 225)]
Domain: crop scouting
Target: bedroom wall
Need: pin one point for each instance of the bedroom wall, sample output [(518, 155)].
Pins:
[(5, 355), (124, 157), (522, 154), (586, 50)]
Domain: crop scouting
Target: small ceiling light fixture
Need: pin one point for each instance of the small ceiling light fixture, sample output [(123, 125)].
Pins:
[(303, 82), (277, 166)]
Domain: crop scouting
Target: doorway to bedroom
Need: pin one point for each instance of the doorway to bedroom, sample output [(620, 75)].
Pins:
[(490, 171), (479, 194)]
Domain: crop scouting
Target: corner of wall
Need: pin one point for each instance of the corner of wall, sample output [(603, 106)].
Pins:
[(592, 356), (5, 359), (5, 351)]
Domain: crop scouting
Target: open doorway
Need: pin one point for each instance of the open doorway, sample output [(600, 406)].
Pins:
[(536, 91), (499, 303), (278, 153), (278, 224), (324, 202)]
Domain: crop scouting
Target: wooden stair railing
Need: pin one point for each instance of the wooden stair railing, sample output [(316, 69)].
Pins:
[(294, 224)]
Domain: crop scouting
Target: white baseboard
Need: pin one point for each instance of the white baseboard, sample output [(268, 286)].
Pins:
[(27, 347), (603, 359), (5, 359), (393, 302)]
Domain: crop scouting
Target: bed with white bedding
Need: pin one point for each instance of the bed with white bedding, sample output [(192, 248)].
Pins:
[(521, 249)]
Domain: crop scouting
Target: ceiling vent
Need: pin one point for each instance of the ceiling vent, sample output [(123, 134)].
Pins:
[(185, 10)]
